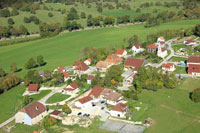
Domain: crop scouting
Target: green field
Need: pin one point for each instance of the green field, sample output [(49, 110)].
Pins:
[(189, 84), (180, 70), (178, 59), (64, 49), (58, 97)]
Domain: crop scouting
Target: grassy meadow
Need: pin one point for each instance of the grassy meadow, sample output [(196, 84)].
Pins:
[(64, 49), (58, 97)]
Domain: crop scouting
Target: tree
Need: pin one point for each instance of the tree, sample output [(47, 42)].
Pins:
[(13, 67), (26, 100), (133, 41), (48, 121), (30, 64), (14, 12), (197, 30), (10, 21), (5, 13), (195, 95), (66, 109), (27, 20), (40, 60), (83, 16), (2, 72), (23, 30), (33, 76), (50, 14), (58, 78), (99, 9), (47, 75)]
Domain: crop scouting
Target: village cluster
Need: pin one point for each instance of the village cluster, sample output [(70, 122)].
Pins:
[(94, 102)]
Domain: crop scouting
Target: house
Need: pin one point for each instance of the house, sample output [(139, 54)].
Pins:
[(161, 41), (110, 96), (133, 64), (190, 42), (114, 60), (66, 76), (162, 52), (33, 88), (68, 68), (89, 79), (84, 102), (121, 52), (56, 114), (60, 69), (194, 70), (119, 110), (137, 49), (193, 60), (71, 89), (168, 67), (95, 93), (80, 67), (31, 114), (152, 48), (102, 66), (128, 76), (88, 61)]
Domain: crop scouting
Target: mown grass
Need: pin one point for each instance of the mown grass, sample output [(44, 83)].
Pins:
[(58, 97), (178, 59), (64, 49), (180, 70), (189, 84)]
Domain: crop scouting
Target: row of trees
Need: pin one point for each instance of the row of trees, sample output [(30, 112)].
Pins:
[(6, 12), (31, 19), (31, 63)]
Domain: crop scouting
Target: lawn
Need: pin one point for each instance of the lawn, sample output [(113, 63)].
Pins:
[(177, 59), (189, 84), (64, 49), (171, 111), (180, 70), (121, 12), (11, 101), (58, 97)]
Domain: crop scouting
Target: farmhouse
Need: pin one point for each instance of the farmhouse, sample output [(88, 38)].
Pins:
[(193, 60), (137, 48), (121, 52), (31, 114), (119, 110), (168, 67), (84, 102), (88, 61), (102, 66), (96, 92), (194, 69), (71, 89), (133, 64), (80, 67), (190, 42), (89, 79), (114, 60), (66, 76), (161, 41), (32, 88), (111, 97), (152, 48)]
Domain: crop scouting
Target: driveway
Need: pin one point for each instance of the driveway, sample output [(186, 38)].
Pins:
[(121, 127)]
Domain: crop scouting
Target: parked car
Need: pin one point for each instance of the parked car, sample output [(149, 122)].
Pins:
[(102, 108), (86, 115), (102, 101), (79, 113)]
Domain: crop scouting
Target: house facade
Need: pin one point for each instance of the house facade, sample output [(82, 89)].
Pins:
[(161, 41), (190, 42), (168, 67), (31, 114), (33, 88), (193, 64), (88, 61), (84, 102), (121, 52), (89, 79), (137, 49), (119, 110), (102, 66), (162, 52), (80, 68), (152, 48), (72, 88)]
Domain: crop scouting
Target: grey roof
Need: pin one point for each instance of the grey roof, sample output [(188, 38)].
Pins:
[(127, 74), (69, 68)]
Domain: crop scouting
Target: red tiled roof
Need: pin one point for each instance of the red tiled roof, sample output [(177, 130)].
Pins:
[(162, 43), (152, 46), (35, 109), (33, 87), (69, 89), (168, 65), (22, 110), (193, 68), (190, 41), (96, 91), (61, 68), (163, 49), (102, 64), (79, 65), (90, 77), (65, 74), (56, 112), (120, 107), (133, 62), (89, 60), (193, 59), (74, 85), (138, 46), (120, 51), (85, 99), (36, 132), (114, 59)]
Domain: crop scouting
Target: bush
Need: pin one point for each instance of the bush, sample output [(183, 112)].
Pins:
[(50, 14), (26, 20), (66, 109), (195, 95), (10, 21)]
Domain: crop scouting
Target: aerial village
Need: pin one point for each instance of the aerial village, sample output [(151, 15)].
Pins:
[(99, 101)]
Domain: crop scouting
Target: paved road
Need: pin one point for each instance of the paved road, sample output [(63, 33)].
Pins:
[(43, 100)]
